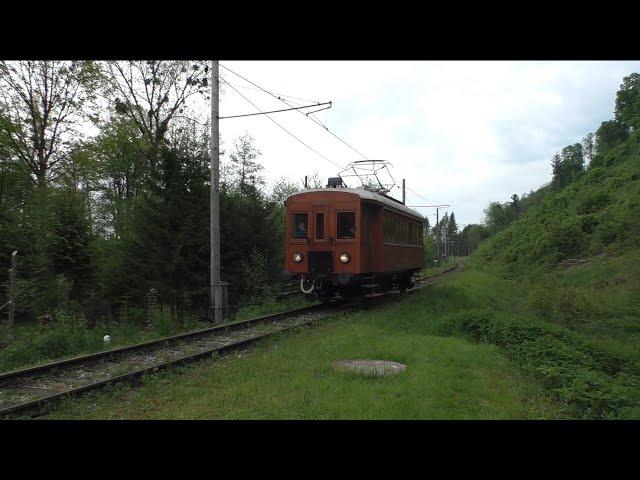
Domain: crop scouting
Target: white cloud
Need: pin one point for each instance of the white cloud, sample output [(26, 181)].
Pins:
[(464, 133)]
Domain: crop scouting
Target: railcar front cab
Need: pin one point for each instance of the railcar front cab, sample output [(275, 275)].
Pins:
[(346, 239), (322, 245)]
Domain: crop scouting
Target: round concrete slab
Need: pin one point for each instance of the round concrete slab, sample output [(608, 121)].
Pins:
[(370, 367)]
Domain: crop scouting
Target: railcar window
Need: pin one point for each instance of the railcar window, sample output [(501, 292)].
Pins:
[(400, 230), (319, 226), (346, 225), (300, 225)]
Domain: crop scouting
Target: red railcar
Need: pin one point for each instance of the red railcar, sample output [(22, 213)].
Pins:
[(350, 240)]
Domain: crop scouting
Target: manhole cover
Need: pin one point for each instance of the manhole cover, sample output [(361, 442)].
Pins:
[(370, 367)]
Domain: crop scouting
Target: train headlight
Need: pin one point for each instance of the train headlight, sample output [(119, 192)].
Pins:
[(344, 257), (297, 257)]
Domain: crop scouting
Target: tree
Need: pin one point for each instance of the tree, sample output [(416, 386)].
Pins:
[(152, 93), (452, 227), (441, 226), (567, 164), (169, 245), (627, 110), (244, 165), (515, 203), (611, 133), (282, 189), (573, 156), (471, 237), (494, 217), (69, 247), (498, 216), (40, 105), (315, 181), (589, 147), (123, 171)]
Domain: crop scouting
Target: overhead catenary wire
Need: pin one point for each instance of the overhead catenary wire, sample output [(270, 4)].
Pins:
[(310, 118), (425, 199), (283, 128), (271, 111), (280, 94)]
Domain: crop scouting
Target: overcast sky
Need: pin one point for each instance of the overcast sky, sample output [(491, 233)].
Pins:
[(462, 133)]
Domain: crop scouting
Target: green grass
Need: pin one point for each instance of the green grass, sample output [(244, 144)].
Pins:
[(265, 306), (290, 377)]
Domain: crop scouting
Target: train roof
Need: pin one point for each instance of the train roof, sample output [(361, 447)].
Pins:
[(367, 196)]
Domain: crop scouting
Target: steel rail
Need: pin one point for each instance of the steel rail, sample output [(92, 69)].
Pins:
[(437, 274)]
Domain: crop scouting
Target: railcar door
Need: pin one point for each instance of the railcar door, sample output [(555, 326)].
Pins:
[(320, 234), (320, 258)]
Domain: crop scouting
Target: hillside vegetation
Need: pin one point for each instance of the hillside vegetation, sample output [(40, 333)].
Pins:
[(596, 213), (570, 267)]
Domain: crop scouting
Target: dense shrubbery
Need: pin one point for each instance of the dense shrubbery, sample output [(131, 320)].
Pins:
[(593, 382), (69, 335)]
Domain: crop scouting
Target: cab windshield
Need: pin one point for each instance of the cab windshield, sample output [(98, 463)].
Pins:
[(346, 225), (300, 225)]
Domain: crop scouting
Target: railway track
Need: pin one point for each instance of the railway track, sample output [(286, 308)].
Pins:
[(423, 281), (30, 391)]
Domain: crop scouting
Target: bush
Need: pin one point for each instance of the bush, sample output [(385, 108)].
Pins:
[(58, 340), (593, 383), (161, 320)]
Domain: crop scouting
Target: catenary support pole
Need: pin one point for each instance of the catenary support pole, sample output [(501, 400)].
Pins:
[(445, 240), (218, 289), (437, 236)]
